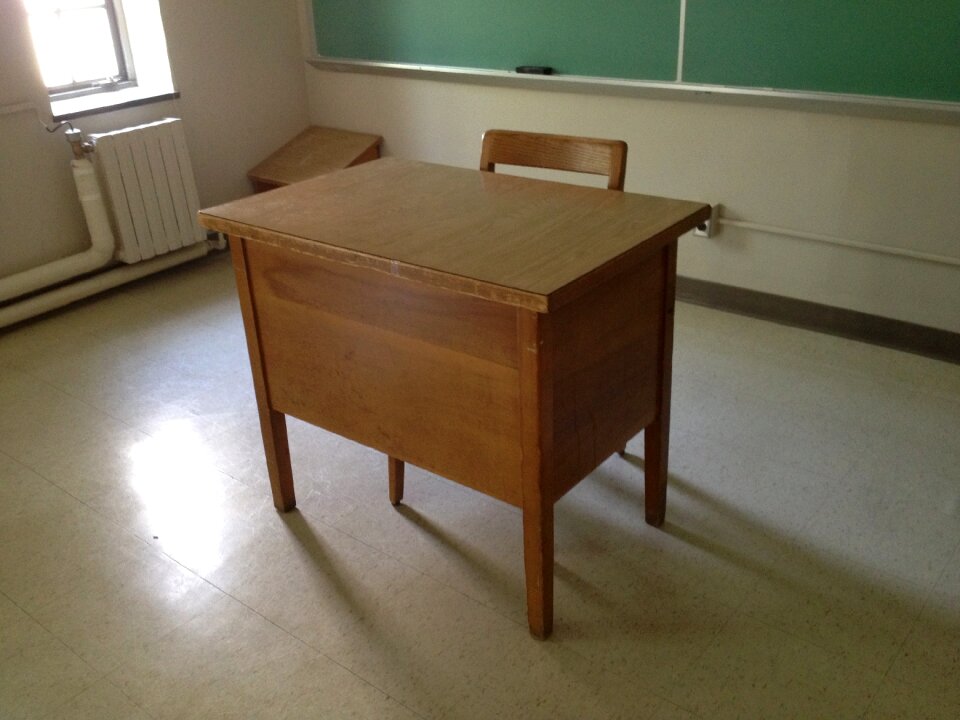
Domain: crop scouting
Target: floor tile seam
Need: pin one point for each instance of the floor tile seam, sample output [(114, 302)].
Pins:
[(17, 461), (136, 538), (690, 665), (903, 492), (835, 656), (923, 605), (757, 616), (888, 677), (317, 651), (947, 564), (672, 703), (66, 390), (440, 581), (108, 667), (57, 485), (886, 377), (419, 571), (69, 494), (684, 586), (299, 641), (56, 715), (772, 529), (104, 517), (743, 443), (99, 675), (569, 649), (832, 652), (821, 358), (803, 465), (836, 481), (26, 370), (129, 699)]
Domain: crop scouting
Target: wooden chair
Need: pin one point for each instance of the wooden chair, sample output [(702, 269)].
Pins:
[(556, 152), (540, 150)]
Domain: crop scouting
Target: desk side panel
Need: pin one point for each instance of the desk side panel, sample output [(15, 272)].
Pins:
[(605, 374), (423, 374)]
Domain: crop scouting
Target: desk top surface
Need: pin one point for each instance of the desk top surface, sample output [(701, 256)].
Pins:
[(529, 243)]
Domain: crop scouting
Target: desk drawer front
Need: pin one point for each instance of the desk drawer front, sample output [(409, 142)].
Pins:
[(424, 374)]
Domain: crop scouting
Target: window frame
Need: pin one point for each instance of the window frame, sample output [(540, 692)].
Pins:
[(141, 23), (126, 74)]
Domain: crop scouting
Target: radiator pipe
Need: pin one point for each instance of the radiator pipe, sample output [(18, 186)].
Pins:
[(80, 147), (833, 240), (114, 277), (98, 255)]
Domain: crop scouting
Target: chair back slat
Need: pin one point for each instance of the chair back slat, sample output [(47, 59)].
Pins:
[(556, 152)]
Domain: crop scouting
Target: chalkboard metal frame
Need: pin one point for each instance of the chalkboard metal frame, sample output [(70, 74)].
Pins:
[(893, 108)]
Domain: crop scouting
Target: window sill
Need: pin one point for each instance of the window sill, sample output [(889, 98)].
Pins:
[(108, 101)]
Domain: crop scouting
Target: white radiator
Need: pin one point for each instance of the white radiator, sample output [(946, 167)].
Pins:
[(147, 178)]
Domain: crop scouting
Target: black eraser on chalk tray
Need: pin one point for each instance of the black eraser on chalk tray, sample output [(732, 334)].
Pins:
[(535, 69)]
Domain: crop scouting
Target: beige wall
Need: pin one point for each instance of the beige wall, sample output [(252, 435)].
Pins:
[(868, 180), (245, 90), (237, 65)]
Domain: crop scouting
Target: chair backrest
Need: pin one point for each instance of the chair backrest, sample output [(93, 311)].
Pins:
[(556, 152)]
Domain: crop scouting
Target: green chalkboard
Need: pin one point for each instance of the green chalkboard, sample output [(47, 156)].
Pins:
[(614, 38), (885, 48), (897, 48)]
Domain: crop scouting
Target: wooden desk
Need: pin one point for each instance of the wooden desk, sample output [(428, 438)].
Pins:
[(315, 151), (508, 334)]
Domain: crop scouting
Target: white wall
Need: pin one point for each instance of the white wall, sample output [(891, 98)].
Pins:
[(238, 67), (869, 180)]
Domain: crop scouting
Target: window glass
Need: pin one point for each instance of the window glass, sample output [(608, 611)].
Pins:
[(78, 43)]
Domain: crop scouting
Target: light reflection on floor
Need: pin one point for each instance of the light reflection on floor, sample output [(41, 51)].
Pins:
[(182, 495)]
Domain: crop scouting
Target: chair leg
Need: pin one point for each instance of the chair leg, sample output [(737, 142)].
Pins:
[(656, 441), (395, 470)]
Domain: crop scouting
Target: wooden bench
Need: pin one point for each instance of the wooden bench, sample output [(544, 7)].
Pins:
[(315, 151)]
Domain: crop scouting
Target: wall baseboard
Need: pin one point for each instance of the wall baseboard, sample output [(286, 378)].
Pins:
[(897, 334)]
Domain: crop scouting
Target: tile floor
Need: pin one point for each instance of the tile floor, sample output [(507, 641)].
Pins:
[(809, 567)]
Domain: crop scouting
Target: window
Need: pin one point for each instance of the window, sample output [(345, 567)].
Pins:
[(87, 51), (81, 45)]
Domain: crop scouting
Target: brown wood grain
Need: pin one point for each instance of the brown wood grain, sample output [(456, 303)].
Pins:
[(536, 342), (435, 401), (529, 243), (555, 152), (315, 151), (656, 436), (607, 358), (273, 426), (506, 333)]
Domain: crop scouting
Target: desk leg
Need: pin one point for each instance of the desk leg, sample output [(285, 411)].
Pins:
[(538, 566), (656, 436), (273, 424), (273, 427), (536, 410)]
